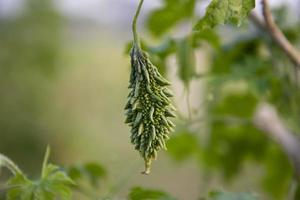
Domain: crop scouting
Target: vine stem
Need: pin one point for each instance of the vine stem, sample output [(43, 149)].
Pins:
[(9, 164), (278, 36), (136, 40)]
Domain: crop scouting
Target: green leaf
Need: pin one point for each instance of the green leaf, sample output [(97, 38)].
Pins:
[(225, 11), (208, 36), (21, 186), (183, 145), (139, 193), (54, 183), (231, 196), (238, 105), (162, 19), (93, 172), (297, 193), (186, 60), (283, 172)]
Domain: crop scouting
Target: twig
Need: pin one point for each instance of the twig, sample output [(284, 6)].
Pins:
[(292, 189), (257, 21), (277, 35), (267, 119)]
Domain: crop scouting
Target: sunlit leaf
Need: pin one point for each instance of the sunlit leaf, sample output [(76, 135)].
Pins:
[(225, 11)]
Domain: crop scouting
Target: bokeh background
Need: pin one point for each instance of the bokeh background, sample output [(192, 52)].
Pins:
[(63, 82)]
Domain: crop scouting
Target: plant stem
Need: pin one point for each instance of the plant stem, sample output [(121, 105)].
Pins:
[(278, 36), (136, 39), (46, 158), (9, 164)]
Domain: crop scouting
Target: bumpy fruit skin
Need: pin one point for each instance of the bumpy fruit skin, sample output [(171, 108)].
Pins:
[(148, 108)]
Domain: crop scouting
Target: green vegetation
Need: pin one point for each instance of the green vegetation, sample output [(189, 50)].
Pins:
[(249, 83)]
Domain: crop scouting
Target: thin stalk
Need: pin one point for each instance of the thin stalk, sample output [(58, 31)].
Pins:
[(9, 164), (46, 158), (136, 39)]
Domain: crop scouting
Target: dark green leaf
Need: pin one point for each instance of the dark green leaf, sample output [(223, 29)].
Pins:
[(238, 105), (208, 36), (93, 172), (139, 193), (183, 145), (297, 194)]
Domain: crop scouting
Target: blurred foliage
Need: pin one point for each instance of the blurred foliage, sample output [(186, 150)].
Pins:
[(171, 13), (54, 182), (217, 195), (186, 60), (245, 69), (91, 171), (183, 145), (29, 54), (139, 193)]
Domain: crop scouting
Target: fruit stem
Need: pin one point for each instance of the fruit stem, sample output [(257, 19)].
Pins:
[(147, 167), (136, 40)]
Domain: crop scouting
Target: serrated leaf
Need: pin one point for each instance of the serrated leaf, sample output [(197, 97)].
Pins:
[(54, 184), (225, 11), (139, 193), (20, 186)]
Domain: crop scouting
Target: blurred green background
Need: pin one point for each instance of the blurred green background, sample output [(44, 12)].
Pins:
[(63, 82)]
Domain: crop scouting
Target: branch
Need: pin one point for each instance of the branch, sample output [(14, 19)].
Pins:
[(267, 119), (277, 35)]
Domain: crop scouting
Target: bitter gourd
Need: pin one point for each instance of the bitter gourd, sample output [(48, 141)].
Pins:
[(148, 106)]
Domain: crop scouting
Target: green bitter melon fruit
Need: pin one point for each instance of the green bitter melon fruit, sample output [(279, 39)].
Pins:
[(148, 107)]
